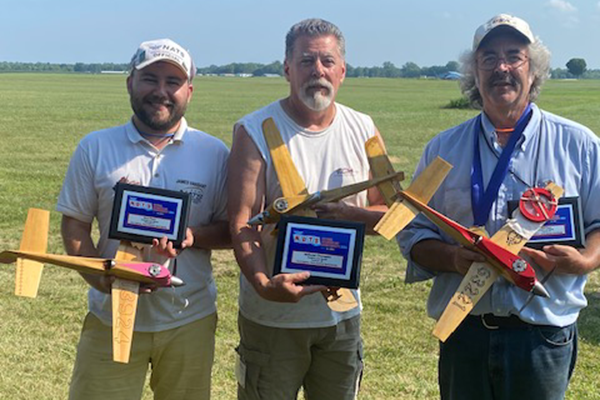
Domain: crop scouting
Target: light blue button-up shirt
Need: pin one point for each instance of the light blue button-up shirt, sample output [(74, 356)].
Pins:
[(551, 149)]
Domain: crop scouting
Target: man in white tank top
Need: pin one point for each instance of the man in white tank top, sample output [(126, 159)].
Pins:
[(289, 336)]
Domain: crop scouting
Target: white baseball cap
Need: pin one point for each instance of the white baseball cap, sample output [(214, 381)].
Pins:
[(163, 50), (502, 20)]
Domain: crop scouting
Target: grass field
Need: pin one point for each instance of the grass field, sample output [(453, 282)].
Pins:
[(44, 116)]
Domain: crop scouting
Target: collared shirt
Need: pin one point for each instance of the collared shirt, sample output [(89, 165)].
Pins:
[(193, 162), (551, 149)]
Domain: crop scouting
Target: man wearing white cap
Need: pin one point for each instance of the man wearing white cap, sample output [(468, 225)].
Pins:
[(504, 350), (175, 327)]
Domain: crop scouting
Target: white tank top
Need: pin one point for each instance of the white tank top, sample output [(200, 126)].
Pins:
[(325, 159)]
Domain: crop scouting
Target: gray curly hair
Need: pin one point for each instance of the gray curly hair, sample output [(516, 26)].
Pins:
[(313, 27), (539, 69)]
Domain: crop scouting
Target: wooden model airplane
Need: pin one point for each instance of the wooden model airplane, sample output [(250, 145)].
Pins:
[(536, 207), (293, 204), (128, 274), (297, 201)]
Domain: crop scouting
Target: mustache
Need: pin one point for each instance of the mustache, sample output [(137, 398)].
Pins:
[(159, 100), (318, 83), (501, 78)]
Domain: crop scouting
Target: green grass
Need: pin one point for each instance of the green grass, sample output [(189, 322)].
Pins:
[(44, 116)]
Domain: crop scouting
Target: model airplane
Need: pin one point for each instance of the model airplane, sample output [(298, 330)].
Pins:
[(292, 204), (297, 201), (536, 207), (128, 273)]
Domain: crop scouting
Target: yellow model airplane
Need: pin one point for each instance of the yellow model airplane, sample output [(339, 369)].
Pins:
[(297, 201), (128, 271), (500, 251)]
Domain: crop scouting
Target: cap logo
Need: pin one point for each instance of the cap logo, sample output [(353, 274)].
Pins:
[(498, 21), (164, 49)]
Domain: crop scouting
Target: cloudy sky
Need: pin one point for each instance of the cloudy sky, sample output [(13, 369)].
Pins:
[(219, 32)]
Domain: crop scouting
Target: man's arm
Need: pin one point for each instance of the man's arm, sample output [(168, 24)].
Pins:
[(246, 193), (213, 236), (77, 241)]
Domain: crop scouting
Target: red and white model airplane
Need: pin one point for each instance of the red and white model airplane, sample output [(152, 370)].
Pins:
[(500, 251), (128, 273)]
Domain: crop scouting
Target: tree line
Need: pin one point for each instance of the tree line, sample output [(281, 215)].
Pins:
[(576, 68)]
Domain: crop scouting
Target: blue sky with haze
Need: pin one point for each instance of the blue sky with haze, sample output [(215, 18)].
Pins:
[(220, 32)]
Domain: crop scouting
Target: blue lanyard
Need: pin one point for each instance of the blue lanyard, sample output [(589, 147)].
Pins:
[(481, 201)]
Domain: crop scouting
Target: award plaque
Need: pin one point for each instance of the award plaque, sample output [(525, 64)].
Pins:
[(565, 228), (330, 250), (141, 214)]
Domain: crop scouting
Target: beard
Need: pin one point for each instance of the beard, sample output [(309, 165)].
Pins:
[(317, 101), (142, 108)]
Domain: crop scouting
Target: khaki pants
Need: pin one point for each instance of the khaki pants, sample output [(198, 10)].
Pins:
[(274, 363), (181, 361)]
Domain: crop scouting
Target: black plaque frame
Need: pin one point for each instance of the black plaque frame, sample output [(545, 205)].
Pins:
[(575, 204), (352, 281), (182, 214)]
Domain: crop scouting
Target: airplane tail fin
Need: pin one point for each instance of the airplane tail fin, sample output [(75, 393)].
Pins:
[(423, 187), (35, 238), (381, 166)]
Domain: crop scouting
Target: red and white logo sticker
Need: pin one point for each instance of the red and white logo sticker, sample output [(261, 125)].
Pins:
[(538, 205)]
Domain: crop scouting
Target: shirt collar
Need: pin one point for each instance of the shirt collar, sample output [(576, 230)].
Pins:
[(529, 133), (135, 137)]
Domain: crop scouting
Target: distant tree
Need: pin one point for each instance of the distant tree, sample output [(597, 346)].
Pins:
[(559, 73), (360, 72), (452, 66), (375, 72), (276, 67), (390, 70), (411, 70), (350, 73), (434, 71), (576, 66), (592, 74)]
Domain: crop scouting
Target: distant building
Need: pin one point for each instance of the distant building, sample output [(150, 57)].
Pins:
[(113, 72), (452, 76)]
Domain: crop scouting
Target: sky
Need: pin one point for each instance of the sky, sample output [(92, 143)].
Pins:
[(221, 31)]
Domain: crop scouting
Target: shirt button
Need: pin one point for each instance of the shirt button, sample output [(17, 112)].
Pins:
[(156, 175)]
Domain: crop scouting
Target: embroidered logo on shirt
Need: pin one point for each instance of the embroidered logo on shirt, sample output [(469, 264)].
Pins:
[(344, 171), (195, 189)]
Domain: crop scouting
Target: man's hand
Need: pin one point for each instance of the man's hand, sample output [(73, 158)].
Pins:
[(333, 210), (463, 258), (439, 256), (164, 247), (566, 259), (285, 288)]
